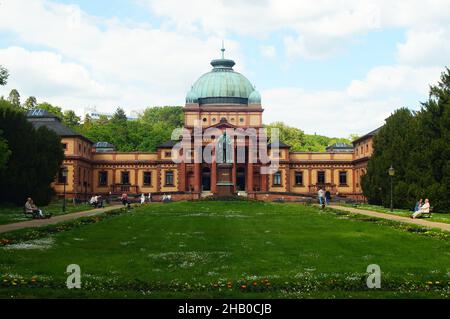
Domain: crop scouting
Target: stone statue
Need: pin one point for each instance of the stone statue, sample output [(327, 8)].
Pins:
[(224, 149)]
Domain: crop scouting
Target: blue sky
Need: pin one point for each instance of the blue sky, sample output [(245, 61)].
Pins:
[(333, 69)]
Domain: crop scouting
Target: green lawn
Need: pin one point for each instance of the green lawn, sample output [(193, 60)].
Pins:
[(435, 216), (229, 249), (13, 214)]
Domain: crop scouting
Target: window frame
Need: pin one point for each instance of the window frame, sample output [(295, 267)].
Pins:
[(149, 174), (346, 178), (166, 175), (275, 182), (122, 174), (319, 174), (298, 173), (99, 179)]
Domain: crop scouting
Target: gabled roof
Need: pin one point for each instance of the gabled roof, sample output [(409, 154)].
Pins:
[(370, 134), (39, 118)]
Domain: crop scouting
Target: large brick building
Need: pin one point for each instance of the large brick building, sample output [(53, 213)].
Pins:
[(225, 101)]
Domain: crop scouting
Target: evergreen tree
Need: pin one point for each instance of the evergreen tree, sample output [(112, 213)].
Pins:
[(4, 151), (36, 156), (14, 98), (71, 119), (30, 103), (417, 145), (3, 76)]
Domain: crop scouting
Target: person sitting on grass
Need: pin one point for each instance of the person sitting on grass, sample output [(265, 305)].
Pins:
[(31, 208), (424, 209)]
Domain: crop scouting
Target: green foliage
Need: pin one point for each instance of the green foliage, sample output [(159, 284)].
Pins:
[(153, 127), (3, 76), (30, 103), (55, 110), (36, 156), (301, 142), (417, 145), (71, 119), (4, 151), (14, 98)]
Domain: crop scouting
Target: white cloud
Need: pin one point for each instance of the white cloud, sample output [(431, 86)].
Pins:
[(426, 46), (268, 51), (319, 27), (137, 65), (394, 80), (86, 61), (360, 107)]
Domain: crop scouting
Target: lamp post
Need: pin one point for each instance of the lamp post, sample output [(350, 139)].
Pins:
[(64, 174), (391, 174)]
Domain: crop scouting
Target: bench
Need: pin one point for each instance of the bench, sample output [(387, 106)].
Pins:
[(428, 215)]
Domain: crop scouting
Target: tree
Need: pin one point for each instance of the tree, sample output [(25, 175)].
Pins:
[(14, 98), (30, 103), (3, 76), (119, 116), (287, 134), (417, 145), (35, 158), (71, 119), (4, 152), (55, 110)]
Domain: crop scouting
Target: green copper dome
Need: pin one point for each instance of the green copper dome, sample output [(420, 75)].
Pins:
[(222, 85), (191, 97), (254, 98)]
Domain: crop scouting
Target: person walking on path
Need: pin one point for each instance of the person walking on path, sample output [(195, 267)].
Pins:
[(327, 198), (320, 195)]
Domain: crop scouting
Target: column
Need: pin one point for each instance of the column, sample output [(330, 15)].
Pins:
[(288, 178), (214, 174), (197, 181), (158, 178), (249, 172)]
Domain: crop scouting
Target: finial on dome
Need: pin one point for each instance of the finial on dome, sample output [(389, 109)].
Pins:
[(223, 50)]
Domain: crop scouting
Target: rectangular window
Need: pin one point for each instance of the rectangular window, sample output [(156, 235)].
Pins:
[(147, 178), (102, 178), (169, 178), (321, 177), (342, 178), (298, 178), (125, 178), (61, 178), (64, 146), (167, 154), (277, 179)]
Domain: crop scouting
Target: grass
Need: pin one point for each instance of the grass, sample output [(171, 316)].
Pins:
[(228, 250), (13, 214), (435, 216)]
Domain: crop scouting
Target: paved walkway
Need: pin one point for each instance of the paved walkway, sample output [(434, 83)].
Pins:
[(55, 219), (421, 222)]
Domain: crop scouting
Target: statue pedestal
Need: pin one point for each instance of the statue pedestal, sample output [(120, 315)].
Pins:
[(225, 186)]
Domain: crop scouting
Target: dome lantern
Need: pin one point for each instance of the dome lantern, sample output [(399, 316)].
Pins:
[(222, 85)]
